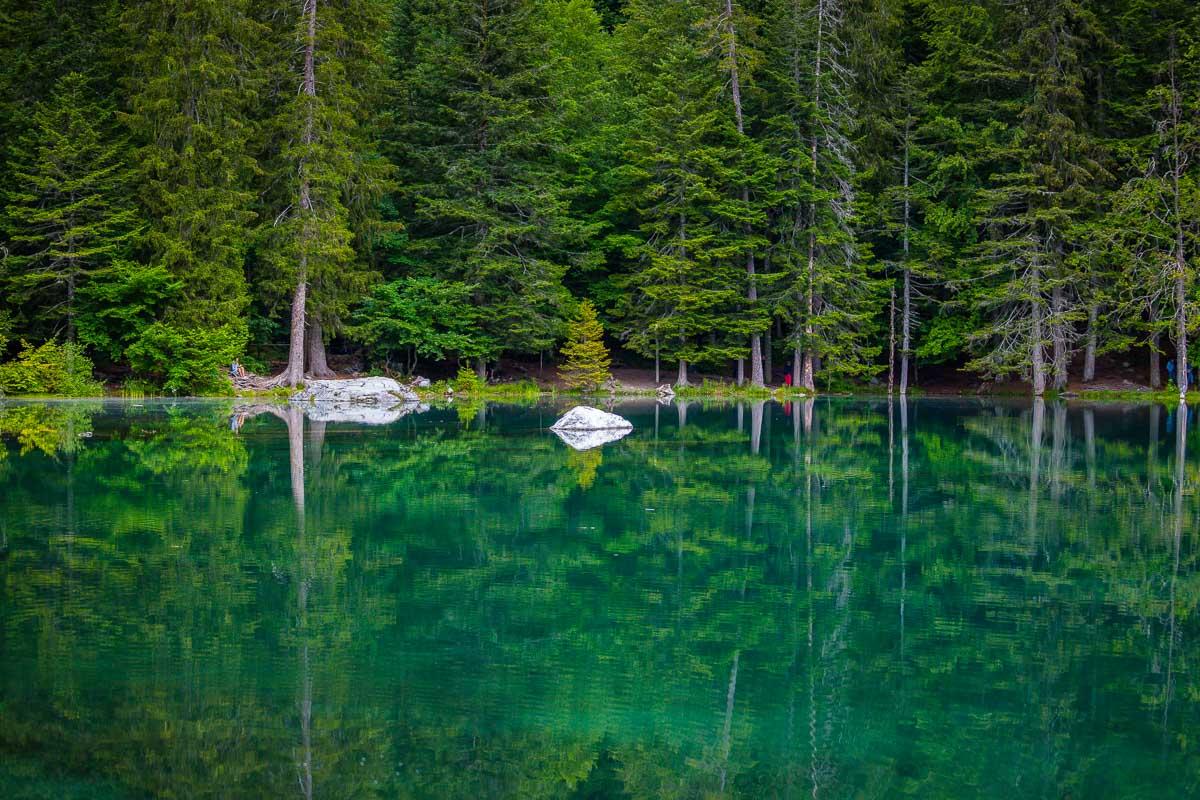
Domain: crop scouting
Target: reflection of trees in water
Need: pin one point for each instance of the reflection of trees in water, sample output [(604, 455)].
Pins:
[(857, 601)]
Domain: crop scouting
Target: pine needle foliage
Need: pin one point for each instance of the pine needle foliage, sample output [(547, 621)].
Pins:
[(586, 362)]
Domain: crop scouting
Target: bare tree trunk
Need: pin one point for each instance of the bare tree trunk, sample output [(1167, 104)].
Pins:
[(797, 359), (806, 377), (682, 379), (906, 300), (1058, 334), (318, 367), (657, 367), (892, 343), (1089, 355), (741, 371), (1181, 293), (768, 368), (293, 375), (1155, 359), (481, 368), (1037, 356)]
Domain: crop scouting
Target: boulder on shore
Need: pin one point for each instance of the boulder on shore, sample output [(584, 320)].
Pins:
[(383, 392), (586, 418)]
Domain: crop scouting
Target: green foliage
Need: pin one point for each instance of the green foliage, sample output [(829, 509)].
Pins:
[(585, 357), (67, 212), (468, 382), (120, 303), (186, 360), (426, 317), (50, 368), (945, 338)]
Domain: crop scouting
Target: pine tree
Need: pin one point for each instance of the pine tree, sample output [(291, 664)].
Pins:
[(67, 213), (585, 357)]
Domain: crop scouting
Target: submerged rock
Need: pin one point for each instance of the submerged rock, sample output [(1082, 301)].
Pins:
[(356, 391), (586, 418)]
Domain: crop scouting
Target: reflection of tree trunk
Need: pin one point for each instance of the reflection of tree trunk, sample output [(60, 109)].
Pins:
[(727, 730), (756, 422), (741, 407), (316, 442), (807, 407), (294, 418), (1181, 427), (1152, 448), (1035, 469), (1089, 438), (1058, 448), (681, 410), (903, 517)]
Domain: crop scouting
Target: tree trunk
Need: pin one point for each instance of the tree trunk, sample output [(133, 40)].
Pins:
[(806, 377), (1155, 360), (768, 368), (892, 343), (1181, 293), (741, 371), (1089, 354), (293, 375), (657, 368), (481, 368), (906, 300), (797, 361), (1037, 355), (682, 379), (1058, 334), (318, 367)]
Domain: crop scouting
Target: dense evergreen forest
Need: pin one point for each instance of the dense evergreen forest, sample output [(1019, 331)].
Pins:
[(819, 187)]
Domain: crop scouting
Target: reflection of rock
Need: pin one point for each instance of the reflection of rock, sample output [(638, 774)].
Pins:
[(584, 427), (360, 413), (357, 391), (366, 401), (665, 392), (586, 440)]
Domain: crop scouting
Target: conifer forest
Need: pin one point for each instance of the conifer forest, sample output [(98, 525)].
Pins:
[(835, 193)]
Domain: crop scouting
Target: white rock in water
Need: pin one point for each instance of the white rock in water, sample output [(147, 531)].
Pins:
[(586, 440), (586, 418), (383, 392)]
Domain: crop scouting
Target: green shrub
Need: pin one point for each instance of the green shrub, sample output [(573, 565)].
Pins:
[(467, 382), (51, 368), (187, 360)]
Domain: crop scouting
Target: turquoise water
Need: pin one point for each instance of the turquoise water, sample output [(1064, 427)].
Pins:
[(839, 599)]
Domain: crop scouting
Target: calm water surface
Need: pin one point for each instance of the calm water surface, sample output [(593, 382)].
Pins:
[(837, 599)]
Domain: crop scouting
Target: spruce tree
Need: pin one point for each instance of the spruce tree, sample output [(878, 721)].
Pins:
[(826, 292), (193, 95), (480, 154), (67, 212), (689, 179), (585, 357), (324, 165)]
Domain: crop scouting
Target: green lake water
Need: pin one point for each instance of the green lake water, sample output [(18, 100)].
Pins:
[(838, 599)]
